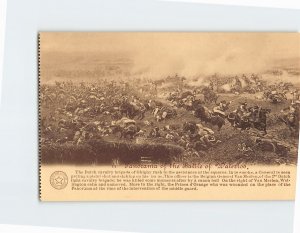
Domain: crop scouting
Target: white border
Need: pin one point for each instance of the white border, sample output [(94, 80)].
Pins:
[(297, 197), (290, 4), (4, 228), (2, 36), (285, 4)]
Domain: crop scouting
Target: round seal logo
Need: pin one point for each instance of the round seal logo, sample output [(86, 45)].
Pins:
[(59, 180)]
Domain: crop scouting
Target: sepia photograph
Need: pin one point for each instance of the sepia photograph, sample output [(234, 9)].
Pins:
[(150, 98)]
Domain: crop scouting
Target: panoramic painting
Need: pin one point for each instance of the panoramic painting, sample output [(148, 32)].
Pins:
[(153, 100)]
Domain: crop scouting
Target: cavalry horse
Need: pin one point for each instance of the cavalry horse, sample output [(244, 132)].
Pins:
[(258, 122), (206, 116)]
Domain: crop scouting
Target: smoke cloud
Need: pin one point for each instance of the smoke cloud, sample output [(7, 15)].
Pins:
[(156, 55)]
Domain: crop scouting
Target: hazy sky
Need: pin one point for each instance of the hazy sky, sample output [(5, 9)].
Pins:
[(185, 53)]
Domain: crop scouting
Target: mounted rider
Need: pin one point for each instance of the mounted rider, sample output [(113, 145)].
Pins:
[(242, 113), (138, 107), (290, 113), (255, 111)]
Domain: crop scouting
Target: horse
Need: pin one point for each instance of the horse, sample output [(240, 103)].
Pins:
[(259, 122), (130, 130), (291, 122), (133, 110), (204, 115)]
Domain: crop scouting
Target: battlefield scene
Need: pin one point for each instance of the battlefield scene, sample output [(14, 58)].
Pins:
[(147, 98)]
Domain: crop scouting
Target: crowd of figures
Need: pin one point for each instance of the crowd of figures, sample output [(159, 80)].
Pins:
[(148, 112)]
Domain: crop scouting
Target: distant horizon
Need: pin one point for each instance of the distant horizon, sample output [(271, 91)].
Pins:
[(157, 55)]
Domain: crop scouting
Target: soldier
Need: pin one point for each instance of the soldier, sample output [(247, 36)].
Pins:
[(154, 133), (220, 109), (206, 136), (290, 113), (243, 148), (211, 85), (255, 113), (238, 83), (242, 108), (242, 112), (296, 95)]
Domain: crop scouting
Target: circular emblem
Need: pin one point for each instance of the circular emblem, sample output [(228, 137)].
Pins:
[(59, 180)]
